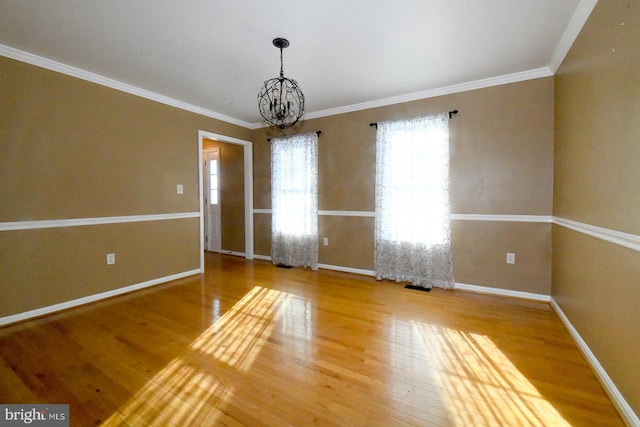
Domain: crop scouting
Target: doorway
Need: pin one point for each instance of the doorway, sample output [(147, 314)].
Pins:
[(248, 190)]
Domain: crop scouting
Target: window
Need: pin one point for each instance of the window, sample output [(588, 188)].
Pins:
[(412, 231), (213, 182), (294, 200)]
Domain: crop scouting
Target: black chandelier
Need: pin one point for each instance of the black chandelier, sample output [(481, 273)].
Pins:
[(280, 101)]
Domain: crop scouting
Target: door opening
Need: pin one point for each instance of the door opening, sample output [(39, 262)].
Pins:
[(248, 190)]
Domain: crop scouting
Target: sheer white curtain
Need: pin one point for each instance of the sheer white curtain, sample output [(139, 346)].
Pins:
[(412, 224), (294, 200)]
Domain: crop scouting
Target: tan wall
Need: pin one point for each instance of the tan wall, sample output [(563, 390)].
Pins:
[(477, 262), (596, 285), (598, 121), (596, 182), (72, 149), (50, 266), (348, 237), (501, 163), (231, 194)]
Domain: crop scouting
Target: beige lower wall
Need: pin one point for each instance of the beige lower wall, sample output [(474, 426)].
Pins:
[(39, 268), (595, 283), (350, 241), (262, 234), (479, 250)]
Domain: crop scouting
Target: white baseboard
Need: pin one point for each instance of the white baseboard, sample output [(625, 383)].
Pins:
[(329, 267), (460, 286), (502, 292), (234, 253), (626, 411), (619, 401), (91, 298), (347, 269)]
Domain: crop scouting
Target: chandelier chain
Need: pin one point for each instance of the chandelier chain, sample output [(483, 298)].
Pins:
[(281, 64)]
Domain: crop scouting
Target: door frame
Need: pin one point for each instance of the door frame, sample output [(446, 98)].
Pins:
[(248, 190)]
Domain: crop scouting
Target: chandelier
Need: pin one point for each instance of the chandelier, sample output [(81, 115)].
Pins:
[(280, 101)]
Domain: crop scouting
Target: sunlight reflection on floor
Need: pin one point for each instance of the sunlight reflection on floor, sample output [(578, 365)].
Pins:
[(477, 386), (185, 392)]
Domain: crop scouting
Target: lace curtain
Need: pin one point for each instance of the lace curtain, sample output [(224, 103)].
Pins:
[(412, 223), (294, 200)]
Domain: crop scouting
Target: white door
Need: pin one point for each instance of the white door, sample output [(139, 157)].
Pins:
[(213, 232)]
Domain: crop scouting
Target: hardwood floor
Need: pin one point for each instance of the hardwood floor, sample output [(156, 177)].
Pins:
[(251, 344)]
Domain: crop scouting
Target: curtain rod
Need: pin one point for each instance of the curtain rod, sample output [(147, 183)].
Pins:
[(318, 132), (451, 113)]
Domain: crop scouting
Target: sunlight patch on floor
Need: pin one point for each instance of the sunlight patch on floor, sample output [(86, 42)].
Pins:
[(188, 390), (239, 335), (466, 378)]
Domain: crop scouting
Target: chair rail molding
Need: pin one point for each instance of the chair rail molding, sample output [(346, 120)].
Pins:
[(631, 241), (77, 222)]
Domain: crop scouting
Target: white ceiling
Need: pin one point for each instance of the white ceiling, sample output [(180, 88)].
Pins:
[(211, 56)]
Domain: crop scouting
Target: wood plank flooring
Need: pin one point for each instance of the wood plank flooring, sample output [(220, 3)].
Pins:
[(254, 345)]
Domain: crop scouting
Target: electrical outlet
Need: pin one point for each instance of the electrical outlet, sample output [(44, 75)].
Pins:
[(325, 241), (180, 189), (111, 259), (511, 258)]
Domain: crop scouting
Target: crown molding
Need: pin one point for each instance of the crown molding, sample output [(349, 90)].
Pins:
[(79, 73), (431, 93), (579, 18)]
